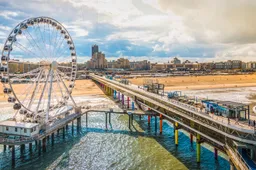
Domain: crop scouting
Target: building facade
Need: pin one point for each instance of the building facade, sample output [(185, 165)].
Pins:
[(97, 61), (95, 49), (140, 65)]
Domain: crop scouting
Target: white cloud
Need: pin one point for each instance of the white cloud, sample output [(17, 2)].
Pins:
[(245, 52)]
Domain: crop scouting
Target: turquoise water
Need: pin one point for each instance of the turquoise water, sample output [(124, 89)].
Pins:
[(117, 148)]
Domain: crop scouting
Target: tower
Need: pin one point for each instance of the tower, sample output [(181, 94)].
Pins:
[(95, 49)]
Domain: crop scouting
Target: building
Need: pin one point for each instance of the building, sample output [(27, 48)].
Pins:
[(158, 66), (119, 63), (97, 61), (175, 60), (19, 128), (228, 65), (140, 65), (251, 65), (95, 49)]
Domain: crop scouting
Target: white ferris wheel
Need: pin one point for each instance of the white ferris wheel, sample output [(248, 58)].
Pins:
[(38, 70)]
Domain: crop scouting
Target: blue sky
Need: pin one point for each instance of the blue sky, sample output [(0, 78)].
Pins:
[(158, 30)]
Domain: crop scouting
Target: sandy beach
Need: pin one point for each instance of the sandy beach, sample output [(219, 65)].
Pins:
[(88, 87), (203, 82)]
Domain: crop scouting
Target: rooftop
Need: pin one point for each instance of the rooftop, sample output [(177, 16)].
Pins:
[(12, 123)]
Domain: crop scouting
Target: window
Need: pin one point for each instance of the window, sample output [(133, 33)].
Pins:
[(25, 130), (16, 129), (7, 128)]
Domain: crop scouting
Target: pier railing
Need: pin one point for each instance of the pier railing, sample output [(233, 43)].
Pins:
[(237, 158)]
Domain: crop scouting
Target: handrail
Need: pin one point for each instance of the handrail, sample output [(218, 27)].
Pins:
[(238, 158)]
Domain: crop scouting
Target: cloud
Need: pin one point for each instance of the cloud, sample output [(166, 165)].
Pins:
[(246, 52), (229, 21)]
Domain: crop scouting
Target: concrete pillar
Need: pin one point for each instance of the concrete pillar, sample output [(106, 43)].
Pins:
[(215, 153), (44, 144), (106, 120), (86, 117), (161, 124), (122, 99), (72, 127), (63, 133), (155, 124), (198, 148), (22, 148), (67, 127), (39, 147), (30, 147), (53, 138), (13, 155), (176, 134), (191, 138), (78, 123), (128, 102), (149, 119)]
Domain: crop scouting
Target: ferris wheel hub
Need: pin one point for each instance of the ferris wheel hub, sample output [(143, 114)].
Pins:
[(54, 65)]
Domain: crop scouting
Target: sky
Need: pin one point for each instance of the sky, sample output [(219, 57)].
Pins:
[(156, 30)]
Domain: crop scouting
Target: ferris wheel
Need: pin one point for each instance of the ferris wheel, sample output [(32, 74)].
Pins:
[(38, 69)]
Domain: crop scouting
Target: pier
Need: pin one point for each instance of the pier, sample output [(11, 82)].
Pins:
[(225, 137)]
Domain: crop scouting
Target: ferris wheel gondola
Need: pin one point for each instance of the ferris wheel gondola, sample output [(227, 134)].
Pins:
[(38, 68)]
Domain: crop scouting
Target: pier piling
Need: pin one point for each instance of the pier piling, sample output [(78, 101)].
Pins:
[(30, 147), (106, 120), (44, 144), (155, 124), (39, 147), (63, 133), (176, 134), (191, 138), (4, 148), (13, 155), (215, 153), (161, 124), (198, 148), (52, 138)]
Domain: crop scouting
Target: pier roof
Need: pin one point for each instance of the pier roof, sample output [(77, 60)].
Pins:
[(12, 123)]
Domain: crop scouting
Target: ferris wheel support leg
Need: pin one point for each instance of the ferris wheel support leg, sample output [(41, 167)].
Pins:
[(49, 96)]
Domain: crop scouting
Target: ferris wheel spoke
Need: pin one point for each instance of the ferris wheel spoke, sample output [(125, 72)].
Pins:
[(42, 52), (66, 67), (64, 75), (55, 33), (36, 83), (57, 43), (50, 44), (58, 83), (42, 93), (27, 51), (18, 76), (58, 47), (67, 91), (42, 37)]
